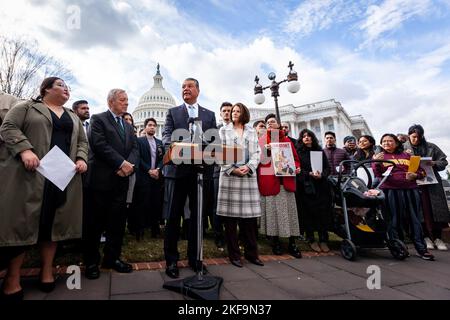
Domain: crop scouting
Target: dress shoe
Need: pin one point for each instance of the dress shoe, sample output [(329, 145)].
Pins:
[(256, 261), (294, 251), (92, 272), (172, 271), (118, 265), (237, 263), (46, 287), (16, 296)]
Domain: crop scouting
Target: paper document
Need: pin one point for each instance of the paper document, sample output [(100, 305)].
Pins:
[(316, 161), (362, 174), (57, 167), (414, 162), (430, 177)]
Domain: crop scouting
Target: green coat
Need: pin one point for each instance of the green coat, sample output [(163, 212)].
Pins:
[(29, 126)]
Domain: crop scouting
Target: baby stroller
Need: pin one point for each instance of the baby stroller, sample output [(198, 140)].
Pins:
[(360, 222)]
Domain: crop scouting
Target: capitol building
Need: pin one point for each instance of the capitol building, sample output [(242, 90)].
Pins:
[(154, 104), (319, 117)]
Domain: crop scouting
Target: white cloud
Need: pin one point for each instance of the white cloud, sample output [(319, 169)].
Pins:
[(391, 93), (313, 15), (391, 15)]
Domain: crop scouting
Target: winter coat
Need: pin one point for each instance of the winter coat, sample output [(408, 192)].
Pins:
[(29, 126), (438, 199)]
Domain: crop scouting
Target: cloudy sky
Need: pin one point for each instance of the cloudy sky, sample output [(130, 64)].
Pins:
[(388, 60)]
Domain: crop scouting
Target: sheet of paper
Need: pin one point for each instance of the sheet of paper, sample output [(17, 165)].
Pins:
[(430, 177), (316, 161), (414, 162), (362, 174), (57, 167)]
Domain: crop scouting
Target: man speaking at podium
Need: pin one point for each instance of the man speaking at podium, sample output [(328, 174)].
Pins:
[(182, 179)]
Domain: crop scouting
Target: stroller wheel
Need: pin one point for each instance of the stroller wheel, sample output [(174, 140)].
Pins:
[(348, 250), (398, 249)]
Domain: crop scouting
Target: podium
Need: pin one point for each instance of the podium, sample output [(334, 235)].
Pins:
[(199, 286)]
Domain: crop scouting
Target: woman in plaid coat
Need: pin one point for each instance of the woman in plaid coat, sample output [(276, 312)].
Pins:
[(239, 201)]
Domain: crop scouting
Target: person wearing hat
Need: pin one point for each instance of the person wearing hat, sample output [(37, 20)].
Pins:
[(350, 146)]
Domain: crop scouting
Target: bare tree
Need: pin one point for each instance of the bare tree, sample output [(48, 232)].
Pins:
[(23, 65)]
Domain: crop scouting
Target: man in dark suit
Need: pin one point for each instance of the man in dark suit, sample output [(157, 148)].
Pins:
[(112, 159), (149, 180), (182, 178)]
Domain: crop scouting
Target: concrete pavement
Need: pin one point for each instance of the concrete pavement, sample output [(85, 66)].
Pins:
[(322, 277)]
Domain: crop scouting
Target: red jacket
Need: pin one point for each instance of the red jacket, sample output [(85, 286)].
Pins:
[(268, 183)]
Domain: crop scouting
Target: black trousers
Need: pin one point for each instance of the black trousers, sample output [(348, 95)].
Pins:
[(248, 229), (148, 207), (183, 187), (106, 213)]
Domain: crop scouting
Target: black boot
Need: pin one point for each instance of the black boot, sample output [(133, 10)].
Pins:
[(293, 249), (276, 246)]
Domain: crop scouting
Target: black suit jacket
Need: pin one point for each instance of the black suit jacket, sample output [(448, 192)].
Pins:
[(177, 118), (108, 150), (145, 160)]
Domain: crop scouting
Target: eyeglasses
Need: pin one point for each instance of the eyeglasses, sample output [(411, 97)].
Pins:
[(63, 85)]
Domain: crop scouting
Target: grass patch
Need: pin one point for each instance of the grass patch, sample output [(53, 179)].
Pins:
[(151, 249)]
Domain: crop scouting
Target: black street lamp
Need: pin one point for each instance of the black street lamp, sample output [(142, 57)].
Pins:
[(293, 87)]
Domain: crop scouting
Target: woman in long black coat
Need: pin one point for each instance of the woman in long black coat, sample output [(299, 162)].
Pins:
[(313, 193)]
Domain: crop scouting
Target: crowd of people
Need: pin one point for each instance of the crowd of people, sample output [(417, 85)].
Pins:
[(121, 183)]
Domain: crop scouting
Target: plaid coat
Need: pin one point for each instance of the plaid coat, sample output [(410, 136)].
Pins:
[(239, 196)]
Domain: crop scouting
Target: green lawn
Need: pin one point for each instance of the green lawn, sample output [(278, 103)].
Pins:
[(150, 249)]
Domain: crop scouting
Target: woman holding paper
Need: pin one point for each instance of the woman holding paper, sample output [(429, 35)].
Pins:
[(434, 203), (32, 209), (401, 191), (279, 211), (313, 191)]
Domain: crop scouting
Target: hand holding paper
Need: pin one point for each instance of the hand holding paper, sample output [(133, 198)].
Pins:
[(57, 167)]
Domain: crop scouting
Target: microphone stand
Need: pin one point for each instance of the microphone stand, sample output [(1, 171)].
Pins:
[(199, 286)]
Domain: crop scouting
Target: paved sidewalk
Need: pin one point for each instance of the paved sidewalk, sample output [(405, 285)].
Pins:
[(312, 277)]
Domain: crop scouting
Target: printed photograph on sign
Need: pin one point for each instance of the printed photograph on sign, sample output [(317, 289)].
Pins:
[(283, 159)]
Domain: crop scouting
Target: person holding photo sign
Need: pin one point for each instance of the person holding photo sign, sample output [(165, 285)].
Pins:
[(313, 193), (402, 194), (32, 209), (435, 210), (279, 211)]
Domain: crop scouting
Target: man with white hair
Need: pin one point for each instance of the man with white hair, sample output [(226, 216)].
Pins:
[(112, 158)]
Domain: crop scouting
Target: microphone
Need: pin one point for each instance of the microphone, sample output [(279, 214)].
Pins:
[(191, 121)]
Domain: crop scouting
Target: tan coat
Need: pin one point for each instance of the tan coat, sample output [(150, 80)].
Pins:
[(29, 126), (6, 102)]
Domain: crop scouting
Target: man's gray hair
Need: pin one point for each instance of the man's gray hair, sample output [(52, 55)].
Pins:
[(112, 95)]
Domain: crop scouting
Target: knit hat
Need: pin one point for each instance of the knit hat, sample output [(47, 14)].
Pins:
[(349, 138)]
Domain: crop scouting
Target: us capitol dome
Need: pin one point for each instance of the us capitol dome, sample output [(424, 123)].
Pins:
[(155, 103)]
